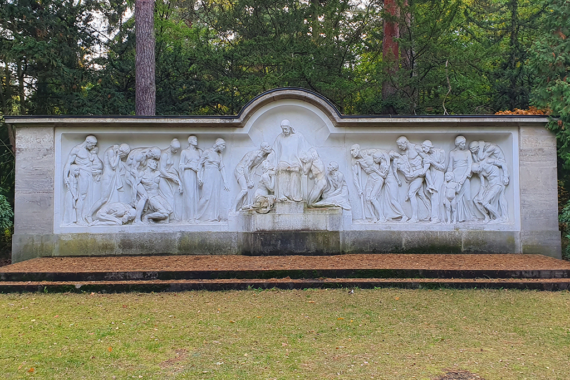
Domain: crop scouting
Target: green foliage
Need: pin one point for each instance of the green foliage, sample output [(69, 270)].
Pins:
[(564, 219), (550, 61)]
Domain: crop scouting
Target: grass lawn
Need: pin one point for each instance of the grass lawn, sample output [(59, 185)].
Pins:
[(275, 334)]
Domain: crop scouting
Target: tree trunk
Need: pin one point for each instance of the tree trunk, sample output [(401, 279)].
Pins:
[(390, 47), (145, 95)]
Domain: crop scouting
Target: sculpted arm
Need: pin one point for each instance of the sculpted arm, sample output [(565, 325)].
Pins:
[(200, 173), (440, 165), (162, 168), (182, 164), (223, 173), (113, 157), (356, 176)]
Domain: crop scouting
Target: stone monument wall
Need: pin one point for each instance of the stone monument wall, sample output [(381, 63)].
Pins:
[(287, 175)]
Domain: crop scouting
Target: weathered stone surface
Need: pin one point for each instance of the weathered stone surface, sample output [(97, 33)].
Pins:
[(289, 175)]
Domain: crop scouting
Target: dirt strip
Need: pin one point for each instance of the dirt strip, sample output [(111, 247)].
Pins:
[(225, 263)]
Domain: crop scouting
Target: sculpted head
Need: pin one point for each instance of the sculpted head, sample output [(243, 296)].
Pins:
[(476, 167), (90, 142), (377, 157), (265, 147), (332, 167), (174, 146), (220, 145), (474, 147), (193, 140), (460, 142), (153, 164), (153, 153), (286, 127), (130, 215), (393, 154), (266, 166), (124, 150), (305, 157), (74, 170), (427, 146), (95, 150), (402, 142), (449, 176), (355, 150)]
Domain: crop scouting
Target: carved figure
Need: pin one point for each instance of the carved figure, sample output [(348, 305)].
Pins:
[(336, 194), (80, 155), (244, 172), (451, 188), (435, 158), (71, 196), (392, 187), (169, 175), (150, 198), (314, 168), (460, 164), (188, 169), (113, 175), (135, 165), (96, 164), (114, 214), (488, 201), (211, 177), (263, 197), (288, 146), (482, 151), (375, 163), (415, 176)]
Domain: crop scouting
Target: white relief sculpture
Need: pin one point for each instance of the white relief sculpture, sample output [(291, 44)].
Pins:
[(460, 164), (314, 168), (135, 166), (71, 195), (336, 194), (375, 163), (482, 151), (80, 155), (392, 187), (288, 146), (415, 177), (244, 172), (112, 179), (169, 175), (435, 158), (114, 214), (451, 188), (151, 204), (263, 197), (211, 177), (188, 169), (489, 199)]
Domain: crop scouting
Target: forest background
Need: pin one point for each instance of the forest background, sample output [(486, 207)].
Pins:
[(77, 57)]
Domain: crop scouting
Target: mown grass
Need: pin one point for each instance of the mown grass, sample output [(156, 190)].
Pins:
[(275, 334)]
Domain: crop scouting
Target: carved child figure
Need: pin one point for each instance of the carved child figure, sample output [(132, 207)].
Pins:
[(450, 197), (71, 196), (114, 214), (264, 198)]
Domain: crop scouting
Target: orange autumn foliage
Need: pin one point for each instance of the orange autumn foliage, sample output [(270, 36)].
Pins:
[(531, 111)]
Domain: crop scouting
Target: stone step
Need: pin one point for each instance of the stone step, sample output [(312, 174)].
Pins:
[(277, 283)]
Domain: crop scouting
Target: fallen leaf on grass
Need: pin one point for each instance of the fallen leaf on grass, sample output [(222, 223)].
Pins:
[(110, 349), (232, 322), (311, 301), (340, 318), (396, 298), (31, 370)]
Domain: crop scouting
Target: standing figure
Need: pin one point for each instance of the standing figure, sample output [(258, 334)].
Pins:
[(435, 158), (188, 169), (135, 165), (263, 197), (488, 200), (415, 176), (71, 196), (80, 155), (481, 151), (113, 175), (211, 177), (460, 163), (150, 197), (244, 172), (451, 188), (375, 163), (392, 187), (336, 194), (169, 175), (288, 146), (314, 168)]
